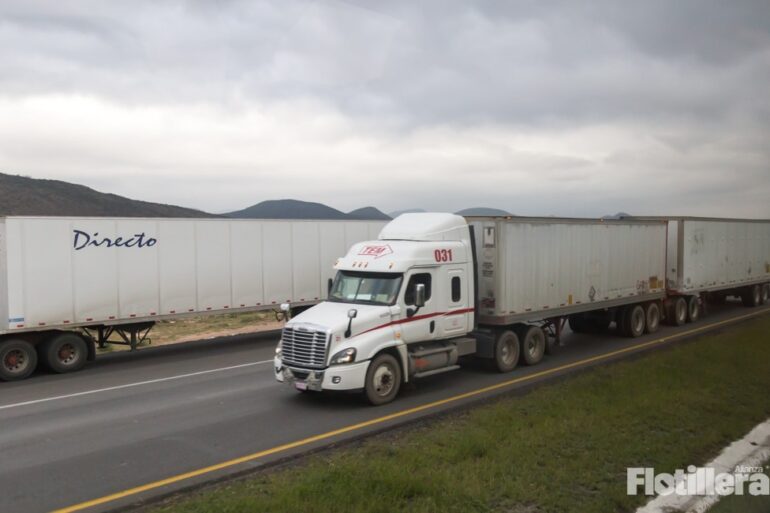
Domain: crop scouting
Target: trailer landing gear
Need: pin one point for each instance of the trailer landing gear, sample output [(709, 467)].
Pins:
[(130, 334)]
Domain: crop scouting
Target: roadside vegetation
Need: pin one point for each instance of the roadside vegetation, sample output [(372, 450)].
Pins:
[(200, 327), (562, 447)]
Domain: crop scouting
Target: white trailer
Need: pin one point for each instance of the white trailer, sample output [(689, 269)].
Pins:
[(67, 284), (545, 267), (710, 259)]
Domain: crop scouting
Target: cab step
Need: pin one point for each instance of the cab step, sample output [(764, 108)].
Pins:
[(436, 371)]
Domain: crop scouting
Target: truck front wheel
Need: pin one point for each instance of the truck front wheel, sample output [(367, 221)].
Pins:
[(64, 352), (765, 293), (507, 350), (383, 380), (18, 359)]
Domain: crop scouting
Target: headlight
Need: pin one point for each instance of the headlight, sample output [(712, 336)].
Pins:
[(278, 348), (345, 356)]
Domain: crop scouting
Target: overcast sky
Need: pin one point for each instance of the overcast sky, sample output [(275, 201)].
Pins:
[(650, 107)]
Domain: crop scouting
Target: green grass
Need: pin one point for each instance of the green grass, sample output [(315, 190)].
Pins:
[(562, 447)]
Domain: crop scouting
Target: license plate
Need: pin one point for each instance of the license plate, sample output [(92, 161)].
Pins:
[(300, 385)]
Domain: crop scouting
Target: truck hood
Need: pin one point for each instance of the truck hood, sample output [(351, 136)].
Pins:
[(334, 317)]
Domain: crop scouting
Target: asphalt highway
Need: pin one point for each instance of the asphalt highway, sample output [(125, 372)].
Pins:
[(133, 426)]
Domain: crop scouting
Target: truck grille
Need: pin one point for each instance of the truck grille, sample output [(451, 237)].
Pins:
[(304, 347)]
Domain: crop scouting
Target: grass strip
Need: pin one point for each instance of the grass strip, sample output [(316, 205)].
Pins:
[(562, 447)]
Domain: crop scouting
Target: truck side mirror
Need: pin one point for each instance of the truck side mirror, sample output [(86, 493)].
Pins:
[(419, 295), (352, 314), (329, 287)]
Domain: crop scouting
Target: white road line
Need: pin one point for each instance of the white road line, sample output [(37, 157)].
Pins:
[(131, 385)]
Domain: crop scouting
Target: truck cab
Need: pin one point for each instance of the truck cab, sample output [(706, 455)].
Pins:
[(399, 308)]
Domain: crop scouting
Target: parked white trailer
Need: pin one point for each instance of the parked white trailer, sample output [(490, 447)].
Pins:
[(66, 283)]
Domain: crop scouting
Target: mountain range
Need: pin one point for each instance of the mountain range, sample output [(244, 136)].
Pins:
[(295, 209), (24, 196)]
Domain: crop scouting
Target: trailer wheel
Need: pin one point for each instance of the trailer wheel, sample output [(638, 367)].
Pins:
[(507, 350), (751, 296), (765, 293), (383, 380), (652, 315), (533, 345), (18, 359), (676, 311), (634, 321), (64, 352), (693, 309)]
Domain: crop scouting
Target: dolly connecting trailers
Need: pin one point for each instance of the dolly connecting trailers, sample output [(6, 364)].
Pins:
[(67, 284), (435, 287)]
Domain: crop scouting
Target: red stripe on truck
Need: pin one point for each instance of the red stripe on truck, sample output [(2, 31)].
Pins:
[(416, 318)]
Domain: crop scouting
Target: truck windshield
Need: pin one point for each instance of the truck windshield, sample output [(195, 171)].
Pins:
[(362, 287)]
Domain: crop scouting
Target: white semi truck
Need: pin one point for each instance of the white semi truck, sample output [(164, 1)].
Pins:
[(68, 284), (435, 287)]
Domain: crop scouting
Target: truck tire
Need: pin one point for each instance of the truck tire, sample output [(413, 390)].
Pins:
[(676, 311), (751, 296), (383, 380), (64, 352), (693, 309), (533, 344), (507, 351), (765, 293), (18, 359), (652, 315), (634, 321)]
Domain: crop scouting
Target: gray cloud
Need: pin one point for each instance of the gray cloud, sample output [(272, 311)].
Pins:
[(546, 102)]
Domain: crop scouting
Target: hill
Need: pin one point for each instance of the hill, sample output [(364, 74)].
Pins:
[(288, 209), (483, 211), (23, 196), (397, 213), (619, 215), (369, 213)]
